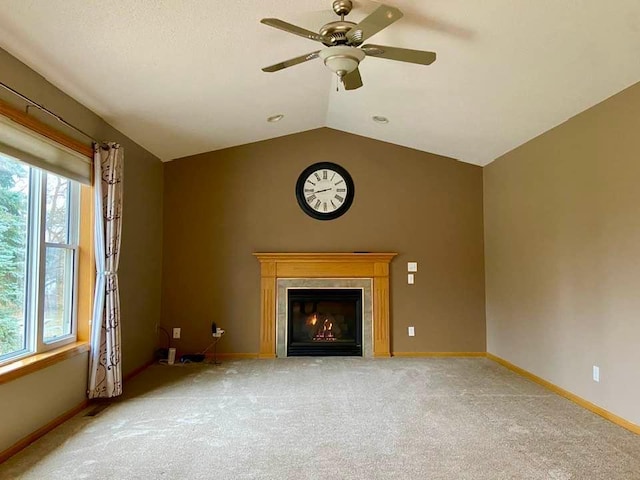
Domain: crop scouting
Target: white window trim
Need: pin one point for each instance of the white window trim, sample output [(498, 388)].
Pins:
[(36, 261)]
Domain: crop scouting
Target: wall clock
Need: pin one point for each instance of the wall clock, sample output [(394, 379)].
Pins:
[(325, 190)]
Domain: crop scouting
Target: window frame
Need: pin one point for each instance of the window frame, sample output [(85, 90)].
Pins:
[(36, 250), (86, 254), (72, 244)]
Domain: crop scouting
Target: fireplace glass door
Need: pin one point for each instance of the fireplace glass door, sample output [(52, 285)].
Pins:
[(324, 322)]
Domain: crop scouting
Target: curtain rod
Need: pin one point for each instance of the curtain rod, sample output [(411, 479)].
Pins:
[(49, 112)]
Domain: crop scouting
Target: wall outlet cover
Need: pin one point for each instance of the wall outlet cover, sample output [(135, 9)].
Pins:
[(596, 373), (411, 279), (412, 331), (176, 333)]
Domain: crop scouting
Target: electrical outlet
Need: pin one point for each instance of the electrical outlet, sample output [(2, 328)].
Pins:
[(412, 331), (596, 373), (176, 333), (410, 279)]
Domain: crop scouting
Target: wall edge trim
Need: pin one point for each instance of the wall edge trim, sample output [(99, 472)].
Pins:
[(592, 407)]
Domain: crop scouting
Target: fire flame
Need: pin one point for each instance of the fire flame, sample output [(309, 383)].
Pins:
[(324, 331)]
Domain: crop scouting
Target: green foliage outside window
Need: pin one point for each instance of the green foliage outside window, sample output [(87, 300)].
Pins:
[(14, 205)]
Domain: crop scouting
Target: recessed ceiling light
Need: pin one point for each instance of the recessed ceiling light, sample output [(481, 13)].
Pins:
[(275, 118), (380, 119)]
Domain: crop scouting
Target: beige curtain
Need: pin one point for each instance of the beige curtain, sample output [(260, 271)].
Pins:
[(105, 371)]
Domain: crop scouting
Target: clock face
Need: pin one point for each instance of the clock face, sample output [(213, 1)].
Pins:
[(325, 190)]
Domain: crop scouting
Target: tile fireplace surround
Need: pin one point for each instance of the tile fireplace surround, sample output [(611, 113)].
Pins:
[(280, 270)]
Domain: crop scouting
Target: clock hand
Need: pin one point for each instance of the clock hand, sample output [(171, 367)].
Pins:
[(325, 190)]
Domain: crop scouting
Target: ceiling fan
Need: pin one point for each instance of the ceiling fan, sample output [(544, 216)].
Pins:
[(343, 40)]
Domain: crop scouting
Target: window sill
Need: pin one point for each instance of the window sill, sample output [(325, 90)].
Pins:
[(36, 362)]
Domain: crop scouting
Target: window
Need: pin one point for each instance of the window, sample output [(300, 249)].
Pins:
[(39, 224)]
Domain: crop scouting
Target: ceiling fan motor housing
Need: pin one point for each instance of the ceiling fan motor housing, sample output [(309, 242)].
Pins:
[(337, 31)]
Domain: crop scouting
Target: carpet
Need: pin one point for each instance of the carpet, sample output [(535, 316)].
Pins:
[(334, 418)]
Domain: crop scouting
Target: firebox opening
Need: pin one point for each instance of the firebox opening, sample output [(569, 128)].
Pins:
[(324, 322)]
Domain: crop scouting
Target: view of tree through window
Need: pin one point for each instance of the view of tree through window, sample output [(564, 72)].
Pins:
[(58, 259), (14, 217), (57, 206), (38, 247)]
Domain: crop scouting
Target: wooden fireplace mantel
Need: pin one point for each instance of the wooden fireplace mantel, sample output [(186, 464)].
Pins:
[(324, 265)]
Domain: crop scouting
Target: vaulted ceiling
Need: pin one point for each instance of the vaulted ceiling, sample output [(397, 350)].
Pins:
[(184, 77)]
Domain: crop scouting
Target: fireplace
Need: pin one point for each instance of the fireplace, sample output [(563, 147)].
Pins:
[(324, 321), (366, 271)]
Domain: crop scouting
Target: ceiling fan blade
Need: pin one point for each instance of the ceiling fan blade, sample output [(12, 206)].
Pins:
[(381, 18), (352, 80), (401, 54), (302, 32), (292, 62)]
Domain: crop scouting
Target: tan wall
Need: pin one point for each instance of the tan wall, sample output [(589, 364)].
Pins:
[(562, 235), (222, 206), (30, 402), (140, 261)]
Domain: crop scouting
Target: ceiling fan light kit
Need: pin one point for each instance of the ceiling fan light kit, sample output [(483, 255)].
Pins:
[(342, 60), (343, 40)]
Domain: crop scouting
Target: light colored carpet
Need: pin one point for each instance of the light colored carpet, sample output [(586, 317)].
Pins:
[(334, 418)]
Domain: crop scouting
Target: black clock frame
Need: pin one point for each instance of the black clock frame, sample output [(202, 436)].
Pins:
[(302, 200)]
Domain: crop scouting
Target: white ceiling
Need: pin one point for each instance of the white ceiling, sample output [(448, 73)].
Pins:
[(183, 77)]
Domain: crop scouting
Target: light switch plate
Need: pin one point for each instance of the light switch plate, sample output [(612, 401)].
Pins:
[(596, 373), (412, 331), (410, 279), (412, 266), (176, 333)]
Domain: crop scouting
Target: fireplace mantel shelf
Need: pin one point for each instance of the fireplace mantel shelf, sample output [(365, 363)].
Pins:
[(325, 265), (327, 257)]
